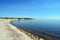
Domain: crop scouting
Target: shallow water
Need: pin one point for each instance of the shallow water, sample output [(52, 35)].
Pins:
[(51, 27)]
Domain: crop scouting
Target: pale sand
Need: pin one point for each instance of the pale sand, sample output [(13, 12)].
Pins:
[(10, 32)]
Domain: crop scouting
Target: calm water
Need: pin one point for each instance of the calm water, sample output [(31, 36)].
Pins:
[(51, 27)]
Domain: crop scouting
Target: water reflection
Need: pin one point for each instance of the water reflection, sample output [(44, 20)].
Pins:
[(49, 26)]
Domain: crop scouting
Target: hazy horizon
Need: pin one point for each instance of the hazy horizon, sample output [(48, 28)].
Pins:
[(45, 9)]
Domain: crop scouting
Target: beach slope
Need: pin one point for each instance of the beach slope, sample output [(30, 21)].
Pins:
[(9, 32)]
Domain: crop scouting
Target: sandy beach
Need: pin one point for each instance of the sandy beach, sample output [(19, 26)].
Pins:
[(9, 32)]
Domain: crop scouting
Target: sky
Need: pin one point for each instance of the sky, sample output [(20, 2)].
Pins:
[(46, 9)]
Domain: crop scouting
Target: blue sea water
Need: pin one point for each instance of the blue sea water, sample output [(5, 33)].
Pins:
[(51, 27)]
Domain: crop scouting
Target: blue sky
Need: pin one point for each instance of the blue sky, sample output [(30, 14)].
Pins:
[(30, 8)]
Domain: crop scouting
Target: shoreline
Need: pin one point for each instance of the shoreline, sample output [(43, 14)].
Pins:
[(19, 29), (32, 36), (42, 35), (29, 34), (10, 32)]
